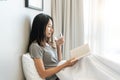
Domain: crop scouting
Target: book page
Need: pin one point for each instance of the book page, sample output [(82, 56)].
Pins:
[(80, 52)]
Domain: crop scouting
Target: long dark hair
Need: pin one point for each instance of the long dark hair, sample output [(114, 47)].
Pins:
[(38, 29)]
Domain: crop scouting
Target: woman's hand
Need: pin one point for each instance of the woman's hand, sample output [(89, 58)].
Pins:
[(71, 62), (60, 41)]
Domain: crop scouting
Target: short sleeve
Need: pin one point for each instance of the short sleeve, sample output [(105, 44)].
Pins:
[(36, 51)]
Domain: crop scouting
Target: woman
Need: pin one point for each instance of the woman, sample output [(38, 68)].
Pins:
[(46, 57)]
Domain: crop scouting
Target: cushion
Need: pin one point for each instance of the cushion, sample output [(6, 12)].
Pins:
[(29, 68)]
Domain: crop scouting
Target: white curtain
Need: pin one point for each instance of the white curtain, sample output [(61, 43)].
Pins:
[(112, 27), (90, 21), (93, 24), (101, 25), (68, 17)]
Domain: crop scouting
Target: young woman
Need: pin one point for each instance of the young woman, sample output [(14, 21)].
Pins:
[(46, 57)]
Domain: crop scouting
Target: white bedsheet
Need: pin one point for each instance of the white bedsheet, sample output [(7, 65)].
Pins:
[(92, 67)]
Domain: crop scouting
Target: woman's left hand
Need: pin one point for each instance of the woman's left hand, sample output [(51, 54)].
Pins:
[(60, 41)]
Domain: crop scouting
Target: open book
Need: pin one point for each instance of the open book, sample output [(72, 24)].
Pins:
[(80, 52)]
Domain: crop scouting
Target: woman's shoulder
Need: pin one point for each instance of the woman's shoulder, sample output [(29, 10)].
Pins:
[(35, 45)]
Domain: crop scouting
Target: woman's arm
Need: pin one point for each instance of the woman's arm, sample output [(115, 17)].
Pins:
[(59, 44), (49, 72), (59, 52)]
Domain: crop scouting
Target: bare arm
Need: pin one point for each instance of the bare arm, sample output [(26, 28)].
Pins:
[(59, 53), (49, 72), (59, 44)]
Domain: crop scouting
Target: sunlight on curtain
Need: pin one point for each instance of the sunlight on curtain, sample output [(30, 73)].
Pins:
[(102, 26), (93, 24), (112, 26)]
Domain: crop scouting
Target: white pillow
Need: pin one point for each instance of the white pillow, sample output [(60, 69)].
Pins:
[(29, 68)]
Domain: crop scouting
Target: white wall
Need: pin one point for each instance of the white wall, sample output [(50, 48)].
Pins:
[(15, 21)]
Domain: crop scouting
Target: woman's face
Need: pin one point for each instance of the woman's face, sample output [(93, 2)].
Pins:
[(49, 29)]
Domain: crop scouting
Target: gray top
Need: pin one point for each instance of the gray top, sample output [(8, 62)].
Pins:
[(47, 54)]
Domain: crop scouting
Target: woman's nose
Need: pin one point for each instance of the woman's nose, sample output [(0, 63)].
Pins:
[(51, 30)]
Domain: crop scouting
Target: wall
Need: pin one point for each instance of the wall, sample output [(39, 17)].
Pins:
[(15, 21)]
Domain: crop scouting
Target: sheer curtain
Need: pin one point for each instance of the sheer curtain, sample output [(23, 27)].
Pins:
[(102, 26), (93, 24), (112, 26), (68, 17)]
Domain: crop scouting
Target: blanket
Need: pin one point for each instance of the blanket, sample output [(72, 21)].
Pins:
[(92, 67)]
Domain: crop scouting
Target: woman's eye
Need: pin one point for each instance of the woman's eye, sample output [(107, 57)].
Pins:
[(50, 26)]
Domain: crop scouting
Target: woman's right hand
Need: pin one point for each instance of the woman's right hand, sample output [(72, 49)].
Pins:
[(71, 62), (60, 41)]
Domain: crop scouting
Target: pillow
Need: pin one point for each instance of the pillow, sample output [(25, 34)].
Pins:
[(29, 68)]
